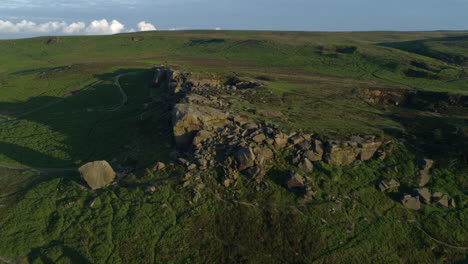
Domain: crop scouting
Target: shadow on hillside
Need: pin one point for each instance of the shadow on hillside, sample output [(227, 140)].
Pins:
[(85, 132), (441, 138), (420, 47)]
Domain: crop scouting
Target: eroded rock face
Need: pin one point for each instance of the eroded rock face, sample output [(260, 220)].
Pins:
[(345, 153), (337, 154), (172, 81), (188, 119), (97, 174)]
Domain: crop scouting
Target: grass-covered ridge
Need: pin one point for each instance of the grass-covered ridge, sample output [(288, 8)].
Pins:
[(65, 101)]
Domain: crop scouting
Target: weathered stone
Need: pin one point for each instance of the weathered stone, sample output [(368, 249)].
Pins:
[(452, 203), (424, 195), (203, 163), (188, 119), (262, 154), (245, 158), (368, 149), (426, 164), (316, 154), (306, 165), (309, 195), (150, 188), (296, 139), (97, 174), (304, 145), (280, 141), (295, 182), (388, 184), (259, 138), (422, 178), (336, 154), (411, 202), (443, 201), (200, 137), (159, 166), (256, 172), (250, 126)]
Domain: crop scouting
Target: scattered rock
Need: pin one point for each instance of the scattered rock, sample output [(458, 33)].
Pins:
[(296, 139), (411, 202), (424, 195), (441, 200), (262, 155), (150, 188), (200, 137), (295, 182), (422, 178), (280, 141), (256, 172), (388, 184), (97, 174), (306, 165), (452, 203), (159, 166)]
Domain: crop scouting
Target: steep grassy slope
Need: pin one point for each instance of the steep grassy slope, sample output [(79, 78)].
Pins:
[(61, 106)]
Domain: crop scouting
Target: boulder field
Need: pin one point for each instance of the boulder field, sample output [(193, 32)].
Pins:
[(211, 134)]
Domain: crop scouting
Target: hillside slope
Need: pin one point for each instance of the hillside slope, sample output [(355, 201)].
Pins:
[(235, 147)]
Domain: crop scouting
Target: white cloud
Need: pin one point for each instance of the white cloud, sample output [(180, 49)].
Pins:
[(143, 26), (74, 28), (96, 27), (102, 27), (218, 28)]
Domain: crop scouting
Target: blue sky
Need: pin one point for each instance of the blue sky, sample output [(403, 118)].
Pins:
[(54, 17)]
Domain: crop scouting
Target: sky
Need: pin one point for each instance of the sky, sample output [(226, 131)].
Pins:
[(28, 18)]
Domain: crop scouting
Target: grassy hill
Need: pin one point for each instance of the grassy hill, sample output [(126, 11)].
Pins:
[(65, 101)]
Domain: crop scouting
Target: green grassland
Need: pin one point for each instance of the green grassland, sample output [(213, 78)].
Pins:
[(60, 107)]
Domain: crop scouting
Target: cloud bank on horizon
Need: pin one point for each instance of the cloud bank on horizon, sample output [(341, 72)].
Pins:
[(96, 27)]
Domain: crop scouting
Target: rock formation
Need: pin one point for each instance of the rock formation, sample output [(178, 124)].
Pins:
[(97, 174)]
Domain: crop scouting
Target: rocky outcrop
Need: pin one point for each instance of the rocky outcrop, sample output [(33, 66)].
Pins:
[(172, 81), (346, 152), (97, 174), (209, 137), (188, 119)]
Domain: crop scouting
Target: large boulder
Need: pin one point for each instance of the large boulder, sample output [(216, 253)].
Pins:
[(188, 119), (97, 174), (340, 154), (280, 141), (245, 158), (411, 202), (368, 149), (424, 195)]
